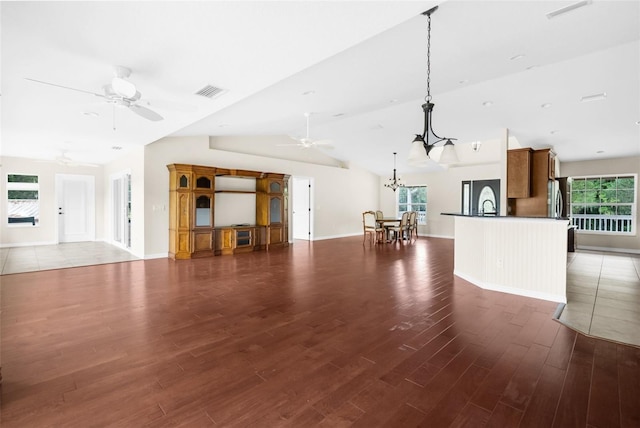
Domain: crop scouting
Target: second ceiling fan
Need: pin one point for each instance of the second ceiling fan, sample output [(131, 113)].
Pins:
[(307, 142)]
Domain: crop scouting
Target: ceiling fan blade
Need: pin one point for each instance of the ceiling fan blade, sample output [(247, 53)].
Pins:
[(66, 87), (145, 112)]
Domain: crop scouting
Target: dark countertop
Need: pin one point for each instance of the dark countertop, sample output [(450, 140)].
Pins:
[(503, 216)]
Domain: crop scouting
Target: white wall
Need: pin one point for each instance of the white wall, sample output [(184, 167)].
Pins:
[(444, 187), (132, 162), (47, 230), (341, 195), (628, 165)]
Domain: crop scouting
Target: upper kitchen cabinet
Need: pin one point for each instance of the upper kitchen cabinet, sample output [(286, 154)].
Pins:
[(519, 163)]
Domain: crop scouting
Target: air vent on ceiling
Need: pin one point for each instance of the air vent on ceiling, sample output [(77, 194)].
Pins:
[(210, 91)]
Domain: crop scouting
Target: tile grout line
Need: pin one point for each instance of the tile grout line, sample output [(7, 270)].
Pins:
[(595, 299)]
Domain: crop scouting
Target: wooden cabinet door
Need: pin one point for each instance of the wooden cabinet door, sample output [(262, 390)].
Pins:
[(519, 173), (202, 243)]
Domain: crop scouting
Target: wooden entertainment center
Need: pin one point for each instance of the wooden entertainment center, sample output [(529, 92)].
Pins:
[(193, 231)]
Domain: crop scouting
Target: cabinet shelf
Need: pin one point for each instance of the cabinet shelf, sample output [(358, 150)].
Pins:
[(248, 192)]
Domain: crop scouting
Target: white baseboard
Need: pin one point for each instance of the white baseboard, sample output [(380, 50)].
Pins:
[(155, 256), (609, 249), (436, 236), (512, 290), (346, 235)]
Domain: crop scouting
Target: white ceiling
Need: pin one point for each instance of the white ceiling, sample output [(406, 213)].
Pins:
[(364, 60)]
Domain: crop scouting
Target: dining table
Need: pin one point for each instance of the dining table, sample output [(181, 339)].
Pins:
[(387, 223)]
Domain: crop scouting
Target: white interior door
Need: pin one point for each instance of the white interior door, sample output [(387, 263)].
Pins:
[(301, 208), (76, 207)]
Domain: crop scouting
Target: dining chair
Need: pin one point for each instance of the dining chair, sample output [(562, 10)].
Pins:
[(372, 227), (401, 231), (379, 215), (413, 224)]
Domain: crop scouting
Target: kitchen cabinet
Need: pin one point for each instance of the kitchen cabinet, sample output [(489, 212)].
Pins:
[(537, 204), (519, 173)]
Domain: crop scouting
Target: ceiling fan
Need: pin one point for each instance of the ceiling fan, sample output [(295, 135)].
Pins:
[(306, 142), (120, 92), (65, 160)]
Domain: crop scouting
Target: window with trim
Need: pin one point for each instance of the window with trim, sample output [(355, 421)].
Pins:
[(413, 198), (23, 204), (604, 204)]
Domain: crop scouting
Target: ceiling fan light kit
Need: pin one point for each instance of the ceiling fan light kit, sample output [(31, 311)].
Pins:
[(123, 87), (423, 143)]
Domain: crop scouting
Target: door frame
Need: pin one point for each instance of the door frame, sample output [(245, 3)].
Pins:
[(123, 218)]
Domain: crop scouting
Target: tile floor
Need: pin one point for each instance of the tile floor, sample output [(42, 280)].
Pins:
[(44, 257), (603, 295)]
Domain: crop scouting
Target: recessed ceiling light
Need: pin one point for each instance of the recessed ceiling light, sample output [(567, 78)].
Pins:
[(637, 122), (568, 8), (309, 93), (463, 81), (393, 101), (487, 103), (531, 67), (223, 125), (555, 131), (594, 97), (116, 148), (90, 113), (600, 152), (546, 105), (338, 114), (515, 57)]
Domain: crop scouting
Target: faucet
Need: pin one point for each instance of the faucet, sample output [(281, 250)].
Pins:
[(492, 206)]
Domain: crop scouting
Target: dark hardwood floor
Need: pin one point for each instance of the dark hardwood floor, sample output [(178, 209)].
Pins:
[(330, 333)]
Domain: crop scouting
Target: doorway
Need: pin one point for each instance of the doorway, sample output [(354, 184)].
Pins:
[(75, 195), (301, 202), (121, 209)]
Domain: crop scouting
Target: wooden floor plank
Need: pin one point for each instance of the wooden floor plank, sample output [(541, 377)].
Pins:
[(324, 333), (604, 400)]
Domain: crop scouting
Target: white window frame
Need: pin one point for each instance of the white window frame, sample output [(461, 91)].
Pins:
[(422, 219), (634, 204), (22, 186)]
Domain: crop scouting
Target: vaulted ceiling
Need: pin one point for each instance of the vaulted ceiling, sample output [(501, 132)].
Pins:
[(359, 67)]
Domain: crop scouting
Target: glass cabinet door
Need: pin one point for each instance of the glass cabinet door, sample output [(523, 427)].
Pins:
[(275, 187), (203, 211), (275, 210)]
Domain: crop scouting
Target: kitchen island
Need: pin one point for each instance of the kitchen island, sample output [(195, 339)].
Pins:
[(518, 255)]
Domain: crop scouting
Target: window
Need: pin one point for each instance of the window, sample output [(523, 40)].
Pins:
[(413, 198), (605, 204), (23, 206)]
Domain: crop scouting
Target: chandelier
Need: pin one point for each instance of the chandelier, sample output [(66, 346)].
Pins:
[(423, 143), (394, 182)]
